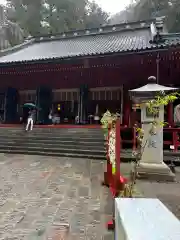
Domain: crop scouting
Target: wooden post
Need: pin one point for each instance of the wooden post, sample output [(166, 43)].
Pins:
[(175, 140), (170, 116), (126, 108), (134, 138), (133, 117)]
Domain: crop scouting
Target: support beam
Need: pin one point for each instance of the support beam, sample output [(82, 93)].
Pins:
[(126, 108), (170, 115)]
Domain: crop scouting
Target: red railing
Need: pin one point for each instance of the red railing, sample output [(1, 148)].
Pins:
[(128, 136), (171, 137)]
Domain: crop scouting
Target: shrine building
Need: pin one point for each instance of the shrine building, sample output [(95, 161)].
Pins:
[(86, 72)]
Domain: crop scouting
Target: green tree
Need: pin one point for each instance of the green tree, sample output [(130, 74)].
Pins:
[(10, 32), (68, 15), (63, 15), (95, 16), (54, 16), (173, 17), (27, 13), (147, 9)]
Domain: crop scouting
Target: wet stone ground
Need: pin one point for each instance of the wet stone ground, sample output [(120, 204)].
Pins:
[(39, 194), (168, 193)]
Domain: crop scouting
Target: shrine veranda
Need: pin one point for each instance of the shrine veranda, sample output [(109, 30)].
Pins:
[(86, 72)]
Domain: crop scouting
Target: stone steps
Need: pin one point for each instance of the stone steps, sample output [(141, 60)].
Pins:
[(54, 130), (56, 143), (53, 154), (61, 149), (52, 138), (84, 143), (55, 134)]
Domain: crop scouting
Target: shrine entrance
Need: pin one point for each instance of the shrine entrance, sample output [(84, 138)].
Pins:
[(65, 104), (65, 110), (102, 99)]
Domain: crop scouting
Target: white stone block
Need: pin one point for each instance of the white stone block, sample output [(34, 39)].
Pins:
[(144, 219)]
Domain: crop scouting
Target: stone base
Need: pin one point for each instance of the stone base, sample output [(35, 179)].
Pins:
[(155, 172)]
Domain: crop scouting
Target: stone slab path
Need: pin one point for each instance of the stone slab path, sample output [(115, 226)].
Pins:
[(38, 194), (168, 193)]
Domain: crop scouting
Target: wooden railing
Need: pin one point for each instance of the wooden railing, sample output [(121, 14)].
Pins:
[(128, 137), (171, 138)]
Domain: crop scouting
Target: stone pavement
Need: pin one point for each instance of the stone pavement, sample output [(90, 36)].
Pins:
[(38, 194), (168, 193)]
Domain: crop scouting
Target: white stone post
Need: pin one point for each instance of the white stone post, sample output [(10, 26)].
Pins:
[(144, 219), (151, 164)]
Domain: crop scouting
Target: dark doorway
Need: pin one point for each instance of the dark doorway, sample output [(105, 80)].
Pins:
[(67, 111), (25, 114), (11, 106)]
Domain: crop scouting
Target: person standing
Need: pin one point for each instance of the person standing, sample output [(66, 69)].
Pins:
[(30, 120), (50, 117), (77, 119)]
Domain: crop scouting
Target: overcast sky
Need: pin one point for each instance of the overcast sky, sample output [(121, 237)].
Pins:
[(111, 6)]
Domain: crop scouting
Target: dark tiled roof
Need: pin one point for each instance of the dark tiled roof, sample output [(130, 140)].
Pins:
[(170, 39), (109, 39), (81, 46)]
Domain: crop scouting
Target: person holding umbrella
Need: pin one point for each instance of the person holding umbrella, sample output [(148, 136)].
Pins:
[(31, 115)]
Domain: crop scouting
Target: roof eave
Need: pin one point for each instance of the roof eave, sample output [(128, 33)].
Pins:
[(16, 48), (156, 48)]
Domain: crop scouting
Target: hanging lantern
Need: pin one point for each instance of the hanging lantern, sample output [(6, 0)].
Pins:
[(136, 106)]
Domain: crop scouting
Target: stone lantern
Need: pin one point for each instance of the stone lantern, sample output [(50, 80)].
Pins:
[(151, 164)]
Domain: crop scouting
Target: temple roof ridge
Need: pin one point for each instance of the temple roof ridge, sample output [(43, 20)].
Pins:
[(104, 29), (117, 38)]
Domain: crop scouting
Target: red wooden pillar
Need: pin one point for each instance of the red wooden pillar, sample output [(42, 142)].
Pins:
[(175, 140), (118, 150), (134, 137), (126, 108), (133, 117), (170, 115)]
